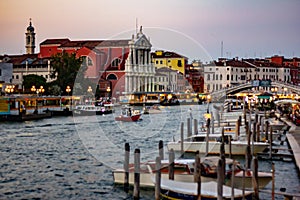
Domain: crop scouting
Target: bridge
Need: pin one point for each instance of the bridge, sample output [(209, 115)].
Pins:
[(220, 95)]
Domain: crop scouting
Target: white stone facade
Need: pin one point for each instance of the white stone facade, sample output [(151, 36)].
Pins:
[(139, 71)]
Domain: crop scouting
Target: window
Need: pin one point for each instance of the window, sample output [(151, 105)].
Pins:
[(227, 77), (161, 62), (17, 76), (227, 68), (208, 77), (112, 77), (156, 62), (221, 77), (87, 61), (216, 77), (116, 62), (179, 64)]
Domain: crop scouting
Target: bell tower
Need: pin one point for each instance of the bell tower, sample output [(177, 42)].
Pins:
[(30, 39)]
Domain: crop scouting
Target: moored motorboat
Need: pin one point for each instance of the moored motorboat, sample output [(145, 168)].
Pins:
[(129, 114), (172, 189), (209, 173), (198, 143), (184, 172)]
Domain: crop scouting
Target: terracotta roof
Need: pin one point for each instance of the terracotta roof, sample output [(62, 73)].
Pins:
[(18, 59), (167, 54), (65, 43), (55, 41)]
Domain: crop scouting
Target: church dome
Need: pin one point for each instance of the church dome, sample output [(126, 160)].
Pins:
[(30, 27)]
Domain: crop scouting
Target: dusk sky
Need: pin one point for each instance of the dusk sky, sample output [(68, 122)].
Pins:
[(192, 28)]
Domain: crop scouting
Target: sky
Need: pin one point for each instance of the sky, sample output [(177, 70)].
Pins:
[(197, 29)]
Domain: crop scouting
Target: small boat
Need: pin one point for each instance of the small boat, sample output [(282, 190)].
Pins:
[(182, 172), (129, 115), (94, 109), (198, 143), (172, 189), (209, 173), (152, 109)]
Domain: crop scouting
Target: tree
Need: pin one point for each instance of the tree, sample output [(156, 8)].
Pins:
[(33, 80), (66, 67)]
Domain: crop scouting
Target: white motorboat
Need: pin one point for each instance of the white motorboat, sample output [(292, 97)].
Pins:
[(198, 143)]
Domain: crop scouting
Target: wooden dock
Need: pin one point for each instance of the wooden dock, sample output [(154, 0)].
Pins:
[(293, 137)]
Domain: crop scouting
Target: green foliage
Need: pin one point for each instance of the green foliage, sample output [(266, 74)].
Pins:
[(66, 69), (33, 80)]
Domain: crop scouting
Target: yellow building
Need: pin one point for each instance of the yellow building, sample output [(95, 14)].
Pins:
[(168, 59)]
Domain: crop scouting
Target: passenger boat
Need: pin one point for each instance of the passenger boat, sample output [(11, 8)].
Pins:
[(92, 109), (184, 172), (129, 114), (172, 189), (198, 143)]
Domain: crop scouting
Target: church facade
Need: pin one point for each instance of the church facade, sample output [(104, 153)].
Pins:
[(124, 64)]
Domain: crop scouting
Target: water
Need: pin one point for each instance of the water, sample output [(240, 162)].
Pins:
[(73, 158)]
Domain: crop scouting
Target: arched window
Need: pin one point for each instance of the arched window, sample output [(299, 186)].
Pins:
[(112, 77), (116, 62), (87, 61)]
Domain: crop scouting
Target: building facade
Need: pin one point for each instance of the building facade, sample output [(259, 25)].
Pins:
[(126, 64), (225, 73), (169, 59)]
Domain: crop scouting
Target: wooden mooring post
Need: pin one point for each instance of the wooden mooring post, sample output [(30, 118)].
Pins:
[(126, 167), (161, 149), (157, 177), (136, 186), (181, 139), (189, 128), (171, 164), (220, 180), (255, 178), (197, 174), (195, 127)]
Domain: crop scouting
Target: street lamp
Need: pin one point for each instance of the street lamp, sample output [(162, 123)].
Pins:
[(89, 90), (41, 90), (9, 89), (68, 90), (108, 91), (285, 90), (33, 89)]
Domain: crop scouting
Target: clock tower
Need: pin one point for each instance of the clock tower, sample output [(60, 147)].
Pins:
[(30, 39)]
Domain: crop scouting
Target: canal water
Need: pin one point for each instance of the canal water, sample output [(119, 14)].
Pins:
[(73, 157)]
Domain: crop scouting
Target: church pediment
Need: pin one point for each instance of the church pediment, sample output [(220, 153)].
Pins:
[(141, 40)]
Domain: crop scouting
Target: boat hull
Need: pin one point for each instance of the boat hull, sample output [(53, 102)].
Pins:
[(132, 118), (146, 179), (209, 190)]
